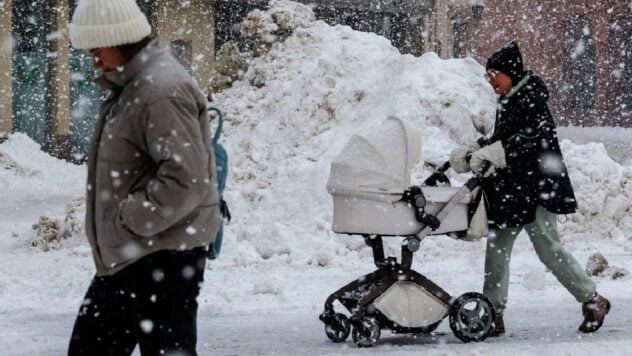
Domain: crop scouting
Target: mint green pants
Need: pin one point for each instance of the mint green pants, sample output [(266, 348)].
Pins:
[(548, 246)]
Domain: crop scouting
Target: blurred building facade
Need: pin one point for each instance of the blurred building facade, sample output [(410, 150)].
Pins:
[(581, 48), (401, 21), (46, 88)]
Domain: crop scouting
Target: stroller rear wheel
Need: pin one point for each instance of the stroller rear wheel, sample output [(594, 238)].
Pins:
[(366, 332), (338, 327), (471, 317)]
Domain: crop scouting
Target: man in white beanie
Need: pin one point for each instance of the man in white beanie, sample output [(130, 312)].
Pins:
[(151, 202)]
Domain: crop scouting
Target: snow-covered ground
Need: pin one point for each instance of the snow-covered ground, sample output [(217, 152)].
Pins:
[(286, 120)]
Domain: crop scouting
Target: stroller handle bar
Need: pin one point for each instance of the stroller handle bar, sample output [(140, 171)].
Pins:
[(438, 176), (467, 188)]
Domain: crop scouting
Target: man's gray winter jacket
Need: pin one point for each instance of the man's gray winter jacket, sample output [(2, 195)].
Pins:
[(149, 186)]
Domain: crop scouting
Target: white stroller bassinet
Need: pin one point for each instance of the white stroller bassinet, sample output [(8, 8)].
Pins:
[(373, 197), (369, 177)]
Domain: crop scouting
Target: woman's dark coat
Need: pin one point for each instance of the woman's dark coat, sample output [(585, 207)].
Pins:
[(536, 174)]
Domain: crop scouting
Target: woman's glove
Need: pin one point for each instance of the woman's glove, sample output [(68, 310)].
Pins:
[(458, 160), (494, 153)]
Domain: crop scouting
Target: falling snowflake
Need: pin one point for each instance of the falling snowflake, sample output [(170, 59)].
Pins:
[(147, 326)]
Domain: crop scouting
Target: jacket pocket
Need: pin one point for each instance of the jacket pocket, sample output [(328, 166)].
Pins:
[(121, 230), (119, 244), (199, 227)]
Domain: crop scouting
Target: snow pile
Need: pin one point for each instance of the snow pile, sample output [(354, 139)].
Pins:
[(297, 105), (52, 233), (282, 19), (27, 175), (597, 265), (603, 189), (27, 168)]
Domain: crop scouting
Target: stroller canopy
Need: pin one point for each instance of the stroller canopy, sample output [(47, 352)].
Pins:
[(379, 162)]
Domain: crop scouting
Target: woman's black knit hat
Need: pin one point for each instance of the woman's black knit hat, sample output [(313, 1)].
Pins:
[(507, 60)]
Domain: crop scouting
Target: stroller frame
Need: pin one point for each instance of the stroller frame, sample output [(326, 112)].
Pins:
[(471, 315)]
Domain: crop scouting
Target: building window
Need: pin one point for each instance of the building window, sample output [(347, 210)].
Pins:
[(620, 64), (579, 68), (183, 51), (459, 32), (401, 33), (399, 27), (85, 97), (229, 14), (146, 6), (31, 23)]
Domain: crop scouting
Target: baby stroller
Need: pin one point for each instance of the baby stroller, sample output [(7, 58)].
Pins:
[(372, 197)]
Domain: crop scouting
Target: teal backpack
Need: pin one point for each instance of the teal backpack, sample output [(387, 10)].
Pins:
[(221, 165)]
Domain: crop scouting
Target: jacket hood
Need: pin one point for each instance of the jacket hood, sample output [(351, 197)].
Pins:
[(508, 60), (536, 85)]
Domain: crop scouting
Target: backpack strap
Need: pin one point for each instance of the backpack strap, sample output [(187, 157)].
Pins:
[(220, 123)]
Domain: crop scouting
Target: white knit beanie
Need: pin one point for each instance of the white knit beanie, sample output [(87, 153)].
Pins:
[(107, 23)]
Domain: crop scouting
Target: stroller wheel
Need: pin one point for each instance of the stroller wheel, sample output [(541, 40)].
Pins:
[(366, 332), (338, 328), (471, 317)]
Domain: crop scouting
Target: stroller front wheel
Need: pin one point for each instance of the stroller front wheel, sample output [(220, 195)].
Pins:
[(338, 328), (472, 317), (366, 332)]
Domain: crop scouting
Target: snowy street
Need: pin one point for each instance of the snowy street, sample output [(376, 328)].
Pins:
[(540, 324), (301, 334)]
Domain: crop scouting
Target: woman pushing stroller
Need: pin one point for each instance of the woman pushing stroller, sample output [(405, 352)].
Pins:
[(527, 188)]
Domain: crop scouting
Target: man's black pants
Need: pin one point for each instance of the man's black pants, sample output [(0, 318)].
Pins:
[(152, 303)]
